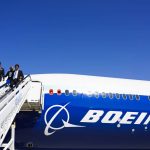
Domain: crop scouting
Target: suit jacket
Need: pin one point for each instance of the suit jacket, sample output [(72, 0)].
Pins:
[(2, 73), (20, 75), (10, 75)]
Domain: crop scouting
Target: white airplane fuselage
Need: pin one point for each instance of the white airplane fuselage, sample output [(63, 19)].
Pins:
[(80, 111)]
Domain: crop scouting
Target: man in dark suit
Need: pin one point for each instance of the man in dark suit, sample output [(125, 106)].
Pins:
[(2, 73), (18, 75)]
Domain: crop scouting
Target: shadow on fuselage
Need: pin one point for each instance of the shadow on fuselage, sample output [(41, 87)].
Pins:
[(26, 119)]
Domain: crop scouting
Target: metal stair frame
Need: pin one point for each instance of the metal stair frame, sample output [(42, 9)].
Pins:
[(10, 105)]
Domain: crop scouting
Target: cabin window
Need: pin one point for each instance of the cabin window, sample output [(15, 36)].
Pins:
[(103, 95), (58, 92), (124, 96), (89, 94), (148, 97), (51, 92), (67, 92), (131, 97), (96, 94), (74, 93), (117, 95), (111, 95), (137, 97)]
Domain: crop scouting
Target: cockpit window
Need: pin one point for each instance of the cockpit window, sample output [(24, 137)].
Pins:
[(74, 93), (67, 92)]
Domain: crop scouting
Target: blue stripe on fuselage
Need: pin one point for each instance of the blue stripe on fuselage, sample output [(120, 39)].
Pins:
[(95, 135)]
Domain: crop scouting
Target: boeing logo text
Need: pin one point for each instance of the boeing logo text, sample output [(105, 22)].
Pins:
[(94, 116), (111, 117)]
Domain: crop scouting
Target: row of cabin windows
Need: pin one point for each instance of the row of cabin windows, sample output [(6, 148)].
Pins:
[(74, 93), (111, 95), (104, 95), (118, 96)]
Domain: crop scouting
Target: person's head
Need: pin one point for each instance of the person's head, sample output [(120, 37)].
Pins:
[(16, 67), (11, 68)]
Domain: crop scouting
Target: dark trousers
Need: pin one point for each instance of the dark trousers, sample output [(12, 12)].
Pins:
[(15, 82), (0, 78), (11, 84)]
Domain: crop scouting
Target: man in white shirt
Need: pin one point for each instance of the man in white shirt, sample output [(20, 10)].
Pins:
[(15, 74), (18, 75)]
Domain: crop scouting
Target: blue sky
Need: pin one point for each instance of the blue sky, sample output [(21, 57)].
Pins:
[(94, 37)]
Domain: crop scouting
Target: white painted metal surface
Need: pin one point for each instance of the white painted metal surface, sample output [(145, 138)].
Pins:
[(34, 94), (9, 107), (87, 84)]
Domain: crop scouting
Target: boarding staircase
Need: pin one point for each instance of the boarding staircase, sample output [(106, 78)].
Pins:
[(11, 102)]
